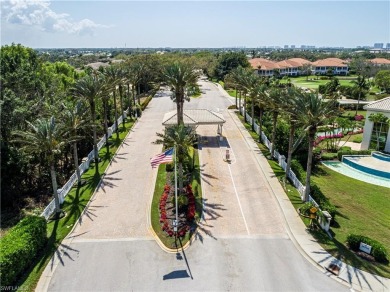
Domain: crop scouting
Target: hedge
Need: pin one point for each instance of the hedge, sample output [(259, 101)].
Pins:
[(378, 251), (297, 168), (146, 102), (19, 247), (322, 201), (340, 153)]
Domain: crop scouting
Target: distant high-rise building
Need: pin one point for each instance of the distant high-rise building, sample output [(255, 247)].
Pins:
[(286, 46), (292, 46), (388, 46), (378, 46)]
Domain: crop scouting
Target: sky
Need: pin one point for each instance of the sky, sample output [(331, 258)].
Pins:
[(193, 24)]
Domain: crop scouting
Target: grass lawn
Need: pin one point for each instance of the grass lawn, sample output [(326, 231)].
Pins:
[(73, 206), (168, 241), (362, 208), (313, 82)]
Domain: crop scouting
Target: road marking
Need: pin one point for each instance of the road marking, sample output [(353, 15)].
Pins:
[(238, 199)]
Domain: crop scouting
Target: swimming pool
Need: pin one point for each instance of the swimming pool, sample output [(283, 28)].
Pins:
[(357, 174)]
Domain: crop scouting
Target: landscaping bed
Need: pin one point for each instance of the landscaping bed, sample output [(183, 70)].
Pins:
[(163, 205)]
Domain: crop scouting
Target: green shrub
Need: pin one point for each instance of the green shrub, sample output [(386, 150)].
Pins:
[(340, 153), (233, 106), (321, 89), (328, 156), (378, 251), (19, 247), (146, 102), (297, 168), (322, 201), (357, 139)]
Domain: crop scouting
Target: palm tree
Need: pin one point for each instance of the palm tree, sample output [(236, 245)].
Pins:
[(74, 119), (361, 86), (44, 137), (113, 79), (182, 137), (90, 88), (274, 103), (312, 111), (289, 109), (180, 76)]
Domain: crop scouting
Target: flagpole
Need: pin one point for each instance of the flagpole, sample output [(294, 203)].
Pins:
[(177, 212)]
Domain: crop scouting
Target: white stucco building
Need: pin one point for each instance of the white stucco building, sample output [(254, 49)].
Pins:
[(372, 131)]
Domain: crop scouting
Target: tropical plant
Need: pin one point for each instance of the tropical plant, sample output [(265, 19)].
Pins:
[(90, 88), (74, 119), (312, 111), (182, 138), (113, 78), (45, 138), (361, 87), (180, 77)]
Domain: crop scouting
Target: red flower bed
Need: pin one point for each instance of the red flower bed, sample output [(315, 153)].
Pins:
[(184, 227)]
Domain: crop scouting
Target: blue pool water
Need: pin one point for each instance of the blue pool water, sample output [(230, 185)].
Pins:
[(356, 174)]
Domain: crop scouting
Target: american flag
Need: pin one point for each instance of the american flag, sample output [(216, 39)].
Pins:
[(164, 157)]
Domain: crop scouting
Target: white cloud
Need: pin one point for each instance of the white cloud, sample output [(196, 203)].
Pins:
[(39, 14)]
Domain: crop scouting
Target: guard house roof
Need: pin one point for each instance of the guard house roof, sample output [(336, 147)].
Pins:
[(194, 117), (382, 105)]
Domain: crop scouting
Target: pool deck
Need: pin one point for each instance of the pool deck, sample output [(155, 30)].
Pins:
[(371, 162)]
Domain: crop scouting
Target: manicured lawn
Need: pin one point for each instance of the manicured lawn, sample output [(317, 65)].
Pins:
[(313, 83), (73, 206), (168, 241), (362, 208)]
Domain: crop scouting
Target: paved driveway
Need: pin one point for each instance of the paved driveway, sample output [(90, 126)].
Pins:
[(242, 244)]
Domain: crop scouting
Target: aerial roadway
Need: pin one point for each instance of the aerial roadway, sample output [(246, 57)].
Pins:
[(242, 244)]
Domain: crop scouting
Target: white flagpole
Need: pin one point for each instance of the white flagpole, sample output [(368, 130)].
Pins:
[(177, 212)]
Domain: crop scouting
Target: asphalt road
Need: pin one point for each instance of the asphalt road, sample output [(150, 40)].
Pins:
[(242, 243)]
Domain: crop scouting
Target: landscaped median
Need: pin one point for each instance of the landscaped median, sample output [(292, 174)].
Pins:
[(190, 204), (74, 204), (361, 208)]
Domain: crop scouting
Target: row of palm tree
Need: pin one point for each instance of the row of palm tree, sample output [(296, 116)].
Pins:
[(301, 109)]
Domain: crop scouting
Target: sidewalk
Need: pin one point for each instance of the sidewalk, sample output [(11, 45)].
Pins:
[(310, 249)]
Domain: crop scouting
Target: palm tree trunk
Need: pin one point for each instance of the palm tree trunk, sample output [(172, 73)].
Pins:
[(274, 121), (239, 103), (290, 147), (244, 108), (116, 115), (309, 163), (122, 111), (128, 94), (357, 105), (95, 149), (236, 98), (55, 188), (260, 124), (76, 162), (134, 99), (106, 125), (253, 114)]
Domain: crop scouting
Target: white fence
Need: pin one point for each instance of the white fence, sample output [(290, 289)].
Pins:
[(324, 223), (281, 160), (82, 167)]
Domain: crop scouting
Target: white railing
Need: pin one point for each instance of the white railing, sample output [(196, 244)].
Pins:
[(83, 167), (281, 159)]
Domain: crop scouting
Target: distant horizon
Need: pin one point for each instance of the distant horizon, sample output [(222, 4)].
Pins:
[(50, 24)]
